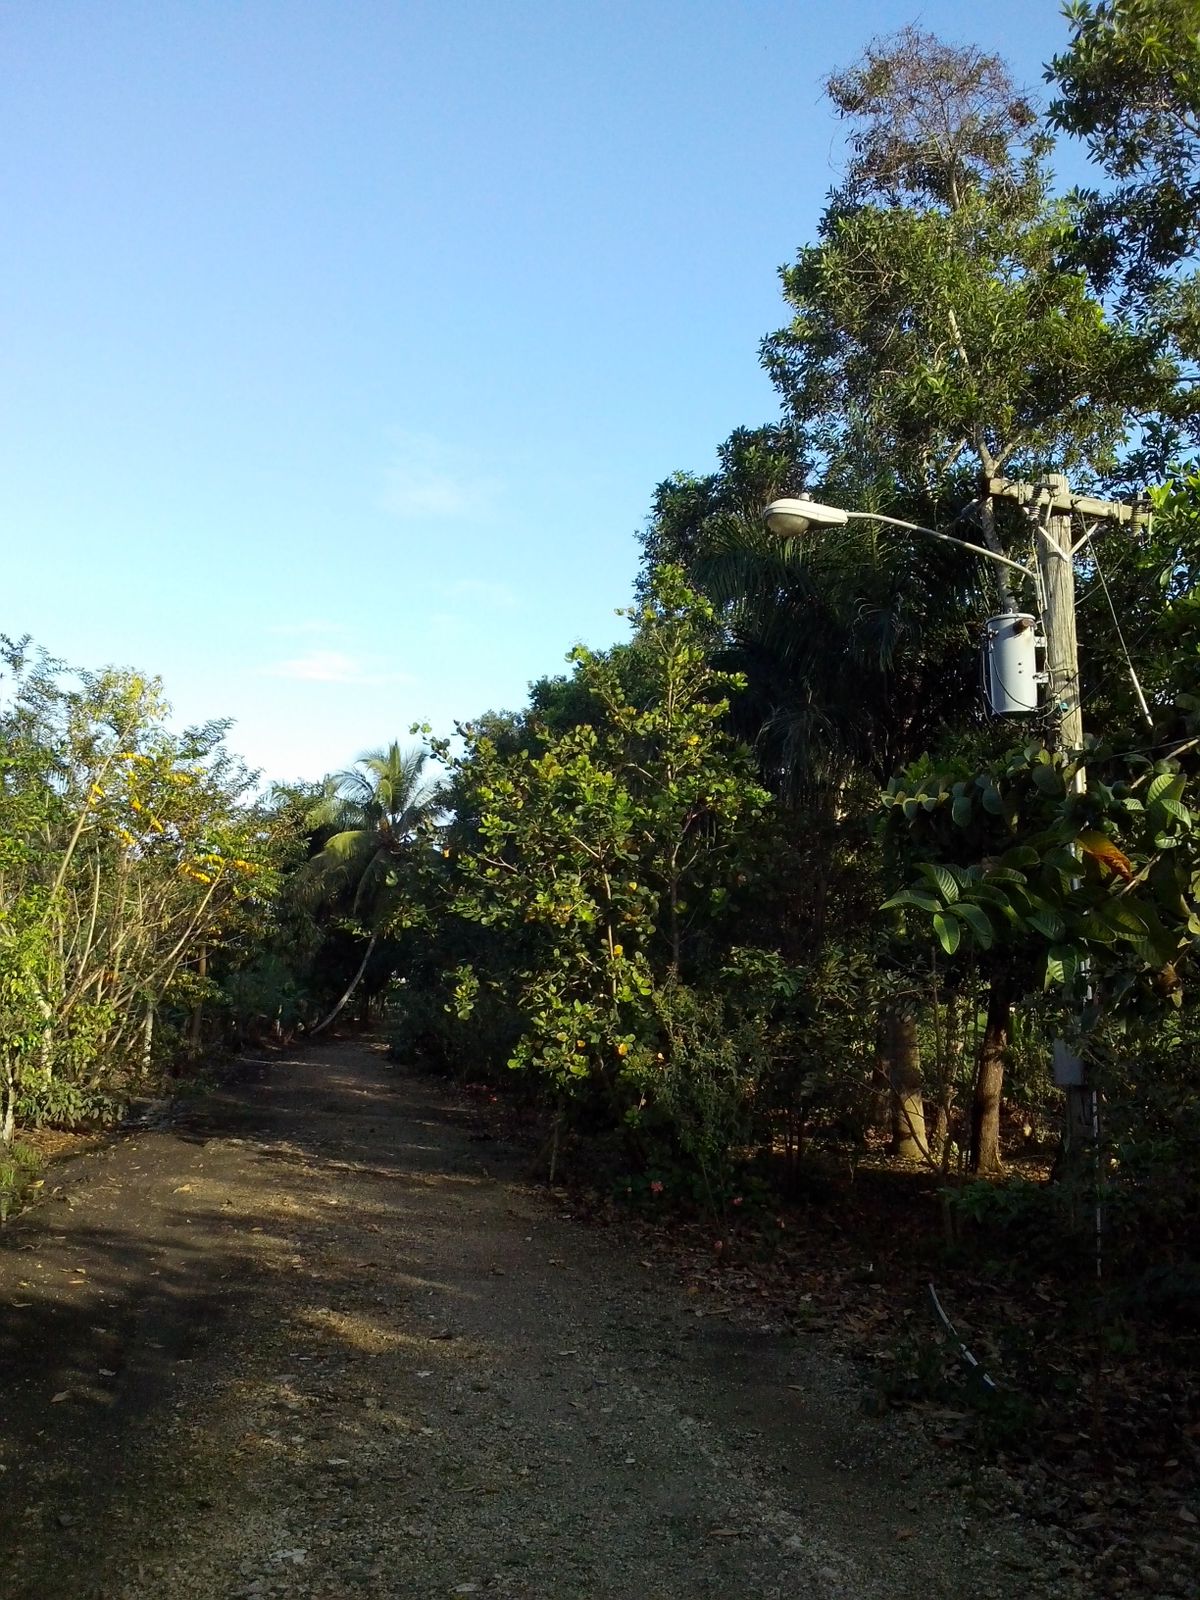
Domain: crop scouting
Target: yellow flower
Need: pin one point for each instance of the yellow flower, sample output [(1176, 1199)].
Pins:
[(618, 949), (622, 1049), (580, 1045)]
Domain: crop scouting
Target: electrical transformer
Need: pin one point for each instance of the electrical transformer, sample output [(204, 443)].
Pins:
[(1010, 668)]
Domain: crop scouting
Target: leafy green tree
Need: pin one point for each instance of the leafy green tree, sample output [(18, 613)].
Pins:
[(1129, 86), (609, 854), (372, 815), (1090, 894), (937, 335), (129, 854), (692, 517)]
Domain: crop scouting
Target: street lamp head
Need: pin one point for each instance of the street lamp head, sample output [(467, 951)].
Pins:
[(791, 518)]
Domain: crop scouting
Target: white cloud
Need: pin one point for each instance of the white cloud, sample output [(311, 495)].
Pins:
[(331, 666), (426, 480)]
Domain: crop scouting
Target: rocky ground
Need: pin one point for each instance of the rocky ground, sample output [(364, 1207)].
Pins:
[(319, 1339)]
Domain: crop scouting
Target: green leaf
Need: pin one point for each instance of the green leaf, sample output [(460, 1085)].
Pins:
[(1175, 808), (1166, 785), (911, 897), (992, 802), (1122, 916), (942, 879), (1005, 875), (1021, 855), (1062, 964), (962, 811), (1047, 922), (1048, 780), (948, 931), (977, 920)]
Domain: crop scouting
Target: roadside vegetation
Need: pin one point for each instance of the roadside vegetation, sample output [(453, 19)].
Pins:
[(760, 908)]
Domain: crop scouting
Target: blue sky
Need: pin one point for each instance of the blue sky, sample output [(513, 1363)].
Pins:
[(345, 342)]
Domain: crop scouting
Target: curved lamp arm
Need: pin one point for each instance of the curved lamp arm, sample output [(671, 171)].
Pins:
[(791, 518)]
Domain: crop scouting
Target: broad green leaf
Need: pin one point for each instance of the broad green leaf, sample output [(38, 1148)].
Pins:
[(976, 919), (1062, 963), (1123, 916), (1167, 785), (990, 894), (948, 931), (1048, 780), (1095, 929), (1175, 808), (942, 879), (1021, 855), (911, 897), (1048, 923)]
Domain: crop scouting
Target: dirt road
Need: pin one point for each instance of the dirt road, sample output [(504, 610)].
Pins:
[(321, 1341)]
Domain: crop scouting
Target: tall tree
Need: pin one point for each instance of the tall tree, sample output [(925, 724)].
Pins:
[(608, 852), (1129, 86), (942, 335), (937, 336), (128, 857), (374, 813)]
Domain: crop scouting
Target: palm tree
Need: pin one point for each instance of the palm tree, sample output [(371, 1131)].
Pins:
[(372, 814)]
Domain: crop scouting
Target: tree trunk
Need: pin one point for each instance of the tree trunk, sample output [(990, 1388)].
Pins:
[(354, 983), (196, 1030), (943, 1146), (148, 1039), (881, 1076), (908, 1106), (8, 1110), (989, 1082)]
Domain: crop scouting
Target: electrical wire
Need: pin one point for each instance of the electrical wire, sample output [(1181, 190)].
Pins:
[(1137, 687)]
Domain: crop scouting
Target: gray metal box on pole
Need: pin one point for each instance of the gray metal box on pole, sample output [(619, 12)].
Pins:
[(1010, 670)]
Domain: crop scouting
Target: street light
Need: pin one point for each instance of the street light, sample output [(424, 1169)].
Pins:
[(792, 518), (1011, 677), (1050, 505)]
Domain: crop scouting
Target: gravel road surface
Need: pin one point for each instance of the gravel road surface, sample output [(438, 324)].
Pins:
[(320, 1340)]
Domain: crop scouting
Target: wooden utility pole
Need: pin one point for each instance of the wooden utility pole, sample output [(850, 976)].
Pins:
[(1057, 567), (1052, 497)]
